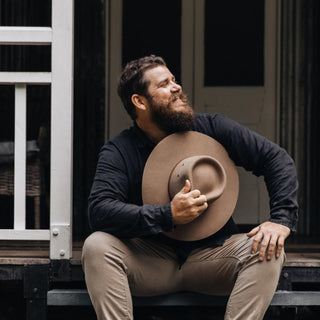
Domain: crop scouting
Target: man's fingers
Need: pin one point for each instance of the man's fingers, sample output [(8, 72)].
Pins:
[(195, 193), (267, 245), (187, 204), (272, 247), (200, 200), (195, 196), (268, 238), (203, 207), (253, 232), (280, 246), (256, 241), (264, 246)]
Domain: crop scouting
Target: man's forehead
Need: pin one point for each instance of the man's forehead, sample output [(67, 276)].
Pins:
[(157, 74)]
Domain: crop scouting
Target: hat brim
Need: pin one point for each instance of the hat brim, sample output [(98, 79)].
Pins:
[(161, 162)]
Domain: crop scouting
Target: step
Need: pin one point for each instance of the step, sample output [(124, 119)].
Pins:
[(80, 297)]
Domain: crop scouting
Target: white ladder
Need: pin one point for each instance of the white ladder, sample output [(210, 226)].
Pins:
[(60, 37)]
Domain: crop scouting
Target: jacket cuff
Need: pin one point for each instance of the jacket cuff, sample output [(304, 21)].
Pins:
[(167, 222)]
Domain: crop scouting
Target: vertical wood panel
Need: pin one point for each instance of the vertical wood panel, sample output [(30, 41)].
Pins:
[(20, 156), (298, 97)]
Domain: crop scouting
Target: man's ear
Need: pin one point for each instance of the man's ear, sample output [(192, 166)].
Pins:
[(139, 101)]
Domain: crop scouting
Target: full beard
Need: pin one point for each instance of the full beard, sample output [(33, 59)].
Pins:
[(170, 120)]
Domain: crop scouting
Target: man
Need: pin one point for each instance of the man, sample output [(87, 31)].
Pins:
[(128, 253)]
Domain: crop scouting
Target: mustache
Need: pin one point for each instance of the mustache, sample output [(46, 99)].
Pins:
[(180, 96)]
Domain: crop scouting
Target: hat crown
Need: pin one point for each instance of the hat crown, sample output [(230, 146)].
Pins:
[(163, 163), (205, 173)]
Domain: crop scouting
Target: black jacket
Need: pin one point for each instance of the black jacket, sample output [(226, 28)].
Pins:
[(115, 202)]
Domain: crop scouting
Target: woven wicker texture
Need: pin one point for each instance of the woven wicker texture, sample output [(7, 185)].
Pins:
[(33, 179)]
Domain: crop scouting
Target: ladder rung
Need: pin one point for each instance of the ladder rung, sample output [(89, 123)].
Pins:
[(25, 77), (25, 35)]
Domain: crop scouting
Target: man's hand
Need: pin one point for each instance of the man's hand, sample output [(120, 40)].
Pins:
[(270, 236), (187, 205)]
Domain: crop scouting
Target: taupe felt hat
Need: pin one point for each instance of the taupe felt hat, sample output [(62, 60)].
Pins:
[(204, 161)]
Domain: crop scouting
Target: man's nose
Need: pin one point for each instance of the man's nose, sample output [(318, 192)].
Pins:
[(175, 87)]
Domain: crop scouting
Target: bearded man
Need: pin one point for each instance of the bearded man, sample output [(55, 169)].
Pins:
[(129, 252)]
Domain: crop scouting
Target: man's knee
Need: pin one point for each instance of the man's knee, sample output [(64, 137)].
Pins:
[(243, 246), (239, 246), (100, 244), (268, 268)]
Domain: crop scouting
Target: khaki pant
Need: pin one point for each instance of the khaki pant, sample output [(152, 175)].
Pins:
[(115, 269)]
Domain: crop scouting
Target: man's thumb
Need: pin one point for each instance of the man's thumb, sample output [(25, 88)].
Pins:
[(187, 187)]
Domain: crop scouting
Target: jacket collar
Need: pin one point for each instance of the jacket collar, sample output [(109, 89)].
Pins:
[(142, 139)]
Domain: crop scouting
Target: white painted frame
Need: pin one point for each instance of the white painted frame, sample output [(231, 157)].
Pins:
[(246, 97), (253, 103), (61, 130), (60, 36)]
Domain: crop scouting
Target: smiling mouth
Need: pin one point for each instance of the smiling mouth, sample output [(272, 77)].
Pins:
[(178, 101)]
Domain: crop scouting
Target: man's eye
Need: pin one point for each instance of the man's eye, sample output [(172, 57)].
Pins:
[(164, 84)]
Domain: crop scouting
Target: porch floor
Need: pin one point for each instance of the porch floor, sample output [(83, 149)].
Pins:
[(29, 253)]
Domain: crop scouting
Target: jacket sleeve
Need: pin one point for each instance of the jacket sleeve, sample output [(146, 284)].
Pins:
[(109, 209), (263, 158)]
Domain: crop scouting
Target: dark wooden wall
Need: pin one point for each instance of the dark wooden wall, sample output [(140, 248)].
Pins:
[(89, 103), (299, 101)]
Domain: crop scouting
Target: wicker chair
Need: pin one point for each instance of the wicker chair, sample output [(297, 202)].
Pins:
[(33, 183)]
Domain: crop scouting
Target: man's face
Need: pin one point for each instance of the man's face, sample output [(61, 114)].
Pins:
[(169, 107)]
